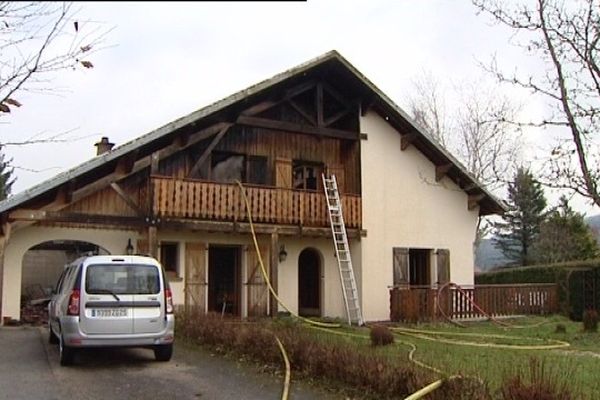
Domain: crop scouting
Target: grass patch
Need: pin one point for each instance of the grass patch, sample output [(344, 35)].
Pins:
[(345, 357)]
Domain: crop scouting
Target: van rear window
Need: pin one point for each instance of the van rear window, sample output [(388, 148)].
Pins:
[(122, 279)]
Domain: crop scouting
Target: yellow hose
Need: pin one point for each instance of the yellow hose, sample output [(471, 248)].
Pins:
[(264, 271), (426, 390), (286, 382), (421, 334)]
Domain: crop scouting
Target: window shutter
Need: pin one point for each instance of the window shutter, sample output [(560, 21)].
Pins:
[(283, 173), (142, 246), (443, 266), (195, 277), (400, 266)]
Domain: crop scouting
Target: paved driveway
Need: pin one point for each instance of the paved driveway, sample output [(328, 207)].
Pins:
[(29, 369)]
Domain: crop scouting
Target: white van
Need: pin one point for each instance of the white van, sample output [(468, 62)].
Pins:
[(112, 301)]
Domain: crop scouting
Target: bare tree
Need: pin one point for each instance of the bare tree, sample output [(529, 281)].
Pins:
[(473, 129), (428, 107), (565, 37), (38, 39)]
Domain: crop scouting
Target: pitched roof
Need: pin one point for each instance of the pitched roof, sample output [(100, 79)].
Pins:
[(330, 63)]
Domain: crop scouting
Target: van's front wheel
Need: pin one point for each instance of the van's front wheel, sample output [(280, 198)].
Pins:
[(67, 354), (163, 352)]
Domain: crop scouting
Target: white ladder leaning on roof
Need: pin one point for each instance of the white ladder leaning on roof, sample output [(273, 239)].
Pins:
[(342, 250)]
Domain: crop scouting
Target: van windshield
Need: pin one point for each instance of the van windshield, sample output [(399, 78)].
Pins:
[(122, 279)]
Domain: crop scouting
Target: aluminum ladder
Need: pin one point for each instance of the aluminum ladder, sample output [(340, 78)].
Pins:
[(342, 250)]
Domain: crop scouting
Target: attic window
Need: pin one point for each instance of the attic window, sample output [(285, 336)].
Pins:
[(227, 167), (307, 175)]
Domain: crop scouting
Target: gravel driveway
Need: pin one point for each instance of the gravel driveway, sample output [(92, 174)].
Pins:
[(29, 369)]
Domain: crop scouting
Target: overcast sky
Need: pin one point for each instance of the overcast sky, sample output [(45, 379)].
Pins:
[(169, 59)]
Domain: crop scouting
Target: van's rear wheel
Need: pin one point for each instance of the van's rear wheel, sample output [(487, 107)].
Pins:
[(163, 352), (67, 354)]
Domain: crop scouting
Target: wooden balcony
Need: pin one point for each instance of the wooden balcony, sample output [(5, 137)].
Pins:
[(210, 201)]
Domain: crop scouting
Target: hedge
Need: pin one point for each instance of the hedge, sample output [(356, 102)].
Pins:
[(571, 278)]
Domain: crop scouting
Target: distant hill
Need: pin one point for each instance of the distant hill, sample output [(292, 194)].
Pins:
[(487, 256), (594, 223)]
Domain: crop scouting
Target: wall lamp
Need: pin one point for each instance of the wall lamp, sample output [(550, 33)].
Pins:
[(129, 248), (282, 253)]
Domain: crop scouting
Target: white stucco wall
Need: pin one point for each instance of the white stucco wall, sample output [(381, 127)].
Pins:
[(115, 241), (22, 240), (403, 206)]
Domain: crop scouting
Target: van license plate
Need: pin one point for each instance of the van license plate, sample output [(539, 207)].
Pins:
[(109, 312)]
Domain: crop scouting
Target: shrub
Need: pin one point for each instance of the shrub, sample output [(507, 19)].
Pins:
[(381, 335), (538, 383), (560, 328), (590, 321)]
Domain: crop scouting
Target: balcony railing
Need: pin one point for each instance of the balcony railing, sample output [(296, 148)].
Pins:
[(186, 198)]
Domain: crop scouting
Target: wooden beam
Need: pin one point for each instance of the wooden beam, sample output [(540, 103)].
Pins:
[(474, 201), (259, 108), (208, 150), (146, 162), (406, 140), (76, 218), (319, 105), (126, 198), (126, 163), (195, 225), (336, 95), (297, 128), (153, 241), (299, 89), (273, 269), (336, 117), (154, 163), (303, 113), (441, 171)]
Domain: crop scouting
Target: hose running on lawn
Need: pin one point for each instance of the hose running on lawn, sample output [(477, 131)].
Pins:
[(408, 332)]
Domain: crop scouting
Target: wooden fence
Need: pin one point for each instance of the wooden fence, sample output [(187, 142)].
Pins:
[(186, 198), (420, 304)]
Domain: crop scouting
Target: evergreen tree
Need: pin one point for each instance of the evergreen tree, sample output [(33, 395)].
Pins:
[(6, 178), (521, 223), (564, 236)]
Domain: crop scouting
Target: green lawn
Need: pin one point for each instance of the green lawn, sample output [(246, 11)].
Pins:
[(577, 366)]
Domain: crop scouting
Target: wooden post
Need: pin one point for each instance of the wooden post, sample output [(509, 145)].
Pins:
[(274, 265), (5, 235), (152, 241), (2, 247)]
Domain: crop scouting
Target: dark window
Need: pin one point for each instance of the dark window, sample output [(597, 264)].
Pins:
[(307, 175), (256, 170), (227, 167), (419, 266), (169, 257)]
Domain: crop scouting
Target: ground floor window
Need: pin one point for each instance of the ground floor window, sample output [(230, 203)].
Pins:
[(169, 257), (414, 266)]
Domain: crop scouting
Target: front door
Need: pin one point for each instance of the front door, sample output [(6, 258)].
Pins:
[(224, 279), (309, 283)]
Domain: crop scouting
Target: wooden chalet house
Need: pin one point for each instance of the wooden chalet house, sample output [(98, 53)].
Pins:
[(410, 208)]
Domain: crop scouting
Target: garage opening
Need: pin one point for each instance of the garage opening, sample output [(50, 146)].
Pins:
[(42, 265), (224, 279), (309, 283)]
